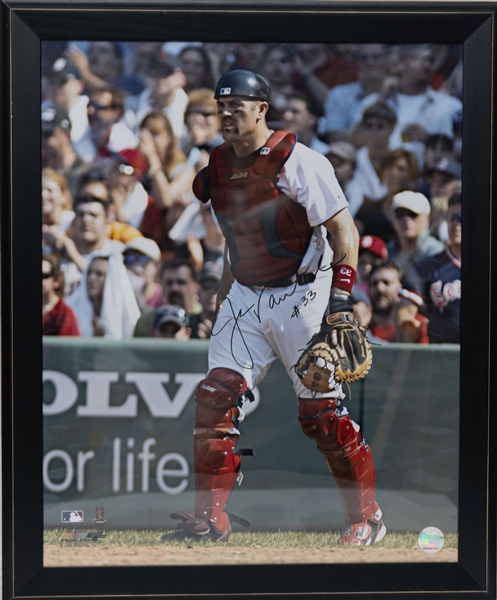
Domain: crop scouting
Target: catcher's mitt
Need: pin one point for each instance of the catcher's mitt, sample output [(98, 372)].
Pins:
[(340, 351)]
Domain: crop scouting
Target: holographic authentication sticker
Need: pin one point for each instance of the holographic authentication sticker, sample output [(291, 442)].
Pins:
[(431, 540)]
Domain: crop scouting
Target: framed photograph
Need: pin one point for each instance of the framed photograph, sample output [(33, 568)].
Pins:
[(110, 453)]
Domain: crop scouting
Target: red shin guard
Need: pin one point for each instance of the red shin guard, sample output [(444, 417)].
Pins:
[(348, 457), (216, 462)]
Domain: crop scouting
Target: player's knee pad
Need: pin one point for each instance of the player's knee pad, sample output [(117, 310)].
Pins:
[(318, 419), (321, 421), (219, 398)]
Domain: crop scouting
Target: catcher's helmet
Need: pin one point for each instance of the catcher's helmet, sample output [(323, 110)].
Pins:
[(242, 82)]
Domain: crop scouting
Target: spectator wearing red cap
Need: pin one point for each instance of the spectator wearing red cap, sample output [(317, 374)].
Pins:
[(125, 171), (372, 251)]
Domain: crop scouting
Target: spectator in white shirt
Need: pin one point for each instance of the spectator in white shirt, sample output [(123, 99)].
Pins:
[(164, 93), (105, 133), (104, 302), (373, 135), (343, 104), (66, 93), (420, 110), (343, 156)]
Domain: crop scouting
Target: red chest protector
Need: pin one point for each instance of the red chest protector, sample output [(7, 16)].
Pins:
[(267, 233)]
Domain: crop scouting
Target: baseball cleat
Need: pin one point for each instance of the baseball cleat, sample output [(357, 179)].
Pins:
[(363, 534), (196, 530)]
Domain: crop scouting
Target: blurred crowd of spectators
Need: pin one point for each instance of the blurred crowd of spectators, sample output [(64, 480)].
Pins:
[(129, 251)]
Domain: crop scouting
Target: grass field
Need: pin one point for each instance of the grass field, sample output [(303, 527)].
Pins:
[(279, 539), (133, 548)]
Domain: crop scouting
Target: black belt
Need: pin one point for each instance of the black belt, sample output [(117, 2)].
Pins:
[(301, 279)]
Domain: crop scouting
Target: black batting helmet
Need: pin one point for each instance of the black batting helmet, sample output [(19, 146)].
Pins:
[(242, 82)]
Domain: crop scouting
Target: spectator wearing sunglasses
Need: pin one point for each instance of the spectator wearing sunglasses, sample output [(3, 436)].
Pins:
[(57, 317), (105, 132), (413, 241), (171, 321), (141, 258), (441, 282), (202, 127)]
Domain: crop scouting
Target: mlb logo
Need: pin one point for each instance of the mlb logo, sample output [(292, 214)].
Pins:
[(265, 150), (225, 91), (72, 516)]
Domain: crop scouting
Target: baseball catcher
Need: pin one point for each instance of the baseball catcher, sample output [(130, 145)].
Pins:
[(276, 201)]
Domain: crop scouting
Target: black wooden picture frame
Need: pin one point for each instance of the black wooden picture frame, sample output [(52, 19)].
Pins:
[(23, 25)]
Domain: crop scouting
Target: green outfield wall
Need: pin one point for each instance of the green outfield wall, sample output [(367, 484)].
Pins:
[(118, 420)]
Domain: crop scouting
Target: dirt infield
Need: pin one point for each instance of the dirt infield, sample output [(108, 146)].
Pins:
[(110, 556)]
